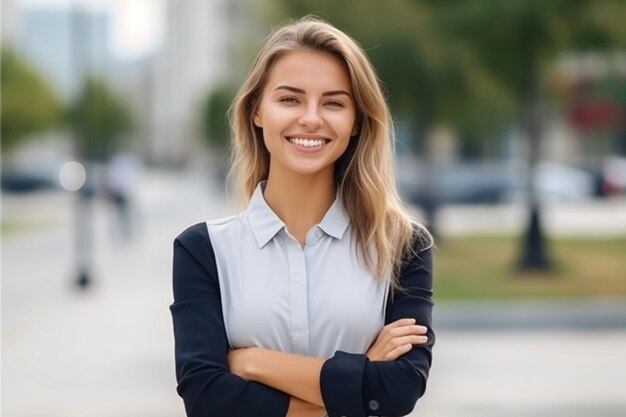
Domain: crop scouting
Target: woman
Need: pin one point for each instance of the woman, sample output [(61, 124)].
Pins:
[(317, 297)]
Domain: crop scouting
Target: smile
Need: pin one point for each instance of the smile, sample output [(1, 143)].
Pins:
[(308, 143)]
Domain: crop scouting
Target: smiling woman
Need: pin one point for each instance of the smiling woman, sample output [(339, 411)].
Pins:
[(307, 115), (317, 298)]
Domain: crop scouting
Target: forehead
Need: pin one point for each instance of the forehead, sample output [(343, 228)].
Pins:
[(309, 70)]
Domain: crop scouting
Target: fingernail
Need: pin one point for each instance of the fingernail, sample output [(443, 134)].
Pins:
[(412, 321)]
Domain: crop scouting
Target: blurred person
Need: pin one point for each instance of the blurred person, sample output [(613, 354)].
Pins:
[(120, 179), (317, 298)]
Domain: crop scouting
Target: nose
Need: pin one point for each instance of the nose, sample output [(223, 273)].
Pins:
[(311, 118)]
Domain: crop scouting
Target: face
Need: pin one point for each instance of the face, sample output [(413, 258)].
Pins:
[(307, 113)]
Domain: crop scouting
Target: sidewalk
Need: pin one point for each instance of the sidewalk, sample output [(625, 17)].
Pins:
[(108, 351), (526, 374)]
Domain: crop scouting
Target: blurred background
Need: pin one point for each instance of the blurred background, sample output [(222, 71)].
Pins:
[(510, 118)]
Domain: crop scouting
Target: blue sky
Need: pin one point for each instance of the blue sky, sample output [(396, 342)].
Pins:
[(137, 26)]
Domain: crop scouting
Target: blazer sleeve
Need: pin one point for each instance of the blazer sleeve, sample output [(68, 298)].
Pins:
[(201, 346), (353, 386)]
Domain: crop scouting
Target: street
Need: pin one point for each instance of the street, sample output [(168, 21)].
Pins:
[(108, 350)]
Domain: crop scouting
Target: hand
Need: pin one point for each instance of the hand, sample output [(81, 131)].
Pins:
[(238, 362), (396, 339)]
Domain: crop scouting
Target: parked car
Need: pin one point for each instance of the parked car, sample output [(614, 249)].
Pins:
[(464, 183), (490, 182), (614, 175), (559, 182), (25, 180)]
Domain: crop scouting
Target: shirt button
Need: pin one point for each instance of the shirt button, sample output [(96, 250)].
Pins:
[(373, 405)]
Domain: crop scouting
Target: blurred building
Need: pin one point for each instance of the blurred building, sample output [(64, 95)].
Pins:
[(202, 49), (201, 52), (64, 45), (9, 21)]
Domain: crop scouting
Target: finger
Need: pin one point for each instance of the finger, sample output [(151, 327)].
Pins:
[(400, 323), (383, 350), (403, 323), (385, 339), (410, 339), (406, 330), (408, 326), (398, 351), (397, 342)]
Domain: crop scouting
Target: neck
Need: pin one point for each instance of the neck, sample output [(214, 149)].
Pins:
[(300, 201)]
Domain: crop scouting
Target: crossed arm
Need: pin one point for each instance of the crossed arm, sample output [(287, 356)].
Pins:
[(392, 374), (299, 375)]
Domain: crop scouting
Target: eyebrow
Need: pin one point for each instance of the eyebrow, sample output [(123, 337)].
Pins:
[(301, 91)]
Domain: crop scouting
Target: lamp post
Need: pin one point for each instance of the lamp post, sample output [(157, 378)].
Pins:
[(83, 208)]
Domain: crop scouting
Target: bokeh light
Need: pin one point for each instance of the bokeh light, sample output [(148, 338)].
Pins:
[(72, 176)]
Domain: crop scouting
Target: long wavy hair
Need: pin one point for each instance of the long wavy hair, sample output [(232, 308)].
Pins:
[(364, 175)]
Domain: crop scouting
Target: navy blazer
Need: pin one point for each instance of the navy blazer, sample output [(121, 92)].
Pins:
[(351, 385)]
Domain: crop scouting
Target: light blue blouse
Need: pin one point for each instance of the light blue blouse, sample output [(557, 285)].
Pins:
[(277, 294)]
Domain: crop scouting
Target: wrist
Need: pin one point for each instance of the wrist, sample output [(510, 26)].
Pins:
[(251, 364)]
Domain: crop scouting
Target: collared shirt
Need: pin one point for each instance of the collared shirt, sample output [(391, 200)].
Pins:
[(350, 384), (314, 299)]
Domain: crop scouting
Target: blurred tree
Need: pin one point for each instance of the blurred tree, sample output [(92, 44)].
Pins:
[(215, 128), (29, 104), (430, 78), (516, 41), (100, 120), (479, 64)]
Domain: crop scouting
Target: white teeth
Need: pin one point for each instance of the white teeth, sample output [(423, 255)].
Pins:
[(307, 143)]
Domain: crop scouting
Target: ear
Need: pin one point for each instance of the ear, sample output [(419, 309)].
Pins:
[(257, 120), (355, 130)]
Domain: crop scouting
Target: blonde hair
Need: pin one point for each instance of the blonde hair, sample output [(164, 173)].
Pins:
[(364, 174)]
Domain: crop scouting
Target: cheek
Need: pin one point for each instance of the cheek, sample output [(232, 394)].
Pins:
[(344, 125), (266, 135), (346, 145)]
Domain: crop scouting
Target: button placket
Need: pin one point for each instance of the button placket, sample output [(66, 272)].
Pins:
[(298, 295)]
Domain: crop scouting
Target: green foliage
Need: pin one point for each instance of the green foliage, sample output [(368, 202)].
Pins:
[(100, 120), (429, 75), (468, 63), (29, 104), (515, 40), (214, 119)]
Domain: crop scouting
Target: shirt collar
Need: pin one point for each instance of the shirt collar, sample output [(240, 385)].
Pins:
[(266, 224), (335, 221)]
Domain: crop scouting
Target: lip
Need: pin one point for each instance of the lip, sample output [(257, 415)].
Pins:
[(306, 136), (304, 148)]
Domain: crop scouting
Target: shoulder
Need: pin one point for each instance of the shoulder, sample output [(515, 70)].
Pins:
[(193, 247), (226, 227), (224, 221), (199, 233), (200, 239), (193, 235)]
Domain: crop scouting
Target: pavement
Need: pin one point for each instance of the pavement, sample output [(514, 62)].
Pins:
[(108, 350)]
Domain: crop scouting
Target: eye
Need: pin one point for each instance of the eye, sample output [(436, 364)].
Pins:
[(288, 100), (334, 103)]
